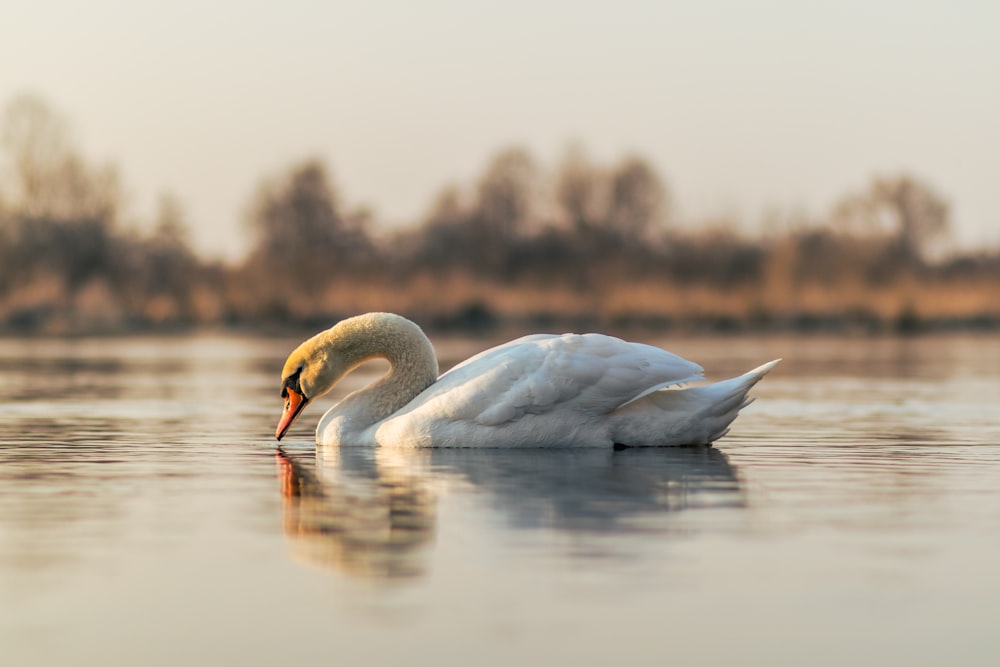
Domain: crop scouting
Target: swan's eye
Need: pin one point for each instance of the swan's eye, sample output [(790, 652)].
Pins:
[(292, 382)]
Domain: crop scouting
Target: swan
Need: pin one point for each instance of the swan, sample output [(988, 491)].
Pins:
[(540, 390)]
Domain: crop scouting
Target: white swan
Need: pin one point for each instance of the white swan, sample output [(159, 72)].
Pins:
[(537, 391)]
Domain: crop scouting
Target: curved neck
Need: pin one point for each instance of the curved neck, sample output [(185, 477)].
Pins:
[(413, 364)]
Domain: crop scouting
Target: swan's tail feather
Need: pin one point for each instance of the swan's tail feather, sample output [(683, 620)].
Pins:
[(686, 416), (732, 397)]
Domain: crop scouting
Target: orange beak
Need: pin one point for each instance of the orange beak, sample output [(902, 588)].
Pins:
[(294, 402)]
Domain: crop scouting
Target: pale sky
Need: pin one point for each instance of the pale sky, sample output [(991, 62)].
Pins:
[(742, 106)]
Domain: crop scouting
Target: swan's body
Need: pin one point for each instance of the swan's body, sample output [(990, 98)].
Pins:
[(542, 390)]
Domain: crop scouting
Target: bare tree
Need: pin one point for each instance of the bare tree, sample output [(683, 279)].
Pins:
[(51, 180), (628, 202), (507, 194), (303, 241), (637, 199), (480, 232), (62, 210), (901, 208), (578, 190), (158, 274)]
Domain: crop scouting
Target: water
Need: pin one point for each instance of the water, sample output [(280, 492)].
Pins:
[(146, 518)]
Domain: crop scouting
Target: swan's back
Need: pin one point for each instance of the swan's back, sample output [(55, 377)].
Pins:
[(540, 390)]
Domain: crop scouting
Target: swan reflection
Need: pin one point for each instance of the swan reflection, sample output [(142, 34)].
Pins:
[(345, 513), (372, 513)]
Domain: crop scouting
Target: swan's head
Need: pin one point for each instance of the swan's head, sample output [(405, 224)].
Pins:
[(310, 371), (316, 365)]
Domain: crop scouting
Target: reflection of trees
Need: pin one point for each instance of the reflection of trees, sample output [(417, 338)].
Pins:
[(372, 513), (52, 495)]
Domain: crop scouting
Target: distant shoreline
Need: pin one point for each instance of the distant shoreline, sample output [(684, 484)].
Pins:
[(480, 321)]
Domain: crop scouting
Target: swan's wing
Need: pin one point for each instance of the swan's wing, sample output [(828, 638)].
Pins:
[(498, 350), (591, 374)]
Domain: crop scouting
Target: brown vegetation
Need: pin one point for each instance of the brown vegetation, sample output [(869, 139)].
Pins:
[(587, 246)]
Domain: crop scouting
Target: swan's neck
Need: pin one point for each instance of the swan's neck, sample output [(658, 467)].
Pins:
[(413, 364)]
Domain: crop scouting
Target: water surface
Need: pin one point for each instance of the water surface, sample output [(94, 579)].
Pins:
[(852, 516)]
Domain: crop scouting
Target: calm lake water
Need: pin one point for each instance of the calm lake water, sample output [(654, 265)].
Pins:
[(852, 516)]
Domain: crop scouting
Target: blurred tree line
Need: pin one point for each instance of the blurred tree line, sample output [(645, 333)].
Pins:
[(582, 245)]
